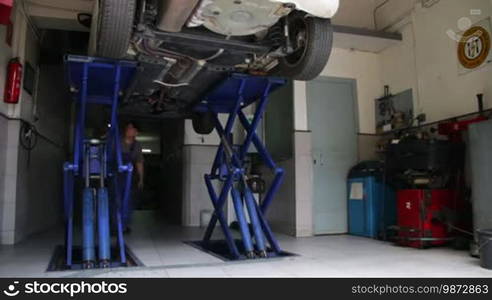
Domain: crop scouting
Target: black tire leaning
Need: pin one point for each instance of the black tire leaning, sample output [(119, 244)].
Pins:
[(203, 123)]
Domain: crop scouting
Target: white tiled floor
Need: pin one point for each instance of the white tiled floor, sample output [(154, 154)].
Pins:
[(161, 249)]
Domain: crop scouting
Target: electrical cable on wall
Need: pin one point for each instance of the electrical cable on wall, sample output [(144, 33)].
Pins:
[(375, 11), (28, 138), (29, 21), (29, 135)]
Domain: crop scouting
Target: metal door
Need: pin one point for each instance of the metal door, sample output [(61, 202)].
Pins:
[(332, 120)]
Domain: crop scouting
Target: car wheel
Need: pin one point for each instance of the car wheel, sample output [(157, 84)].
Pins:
[(203, 123), (114, 20), (312, 39)]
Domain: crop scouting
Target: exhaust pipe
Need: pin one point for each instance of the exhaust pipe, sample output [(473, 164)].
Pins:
[(173, 14)]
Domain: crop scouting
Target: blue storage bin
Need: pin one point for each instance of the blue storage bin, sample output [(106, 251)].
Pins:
[(369, 214)]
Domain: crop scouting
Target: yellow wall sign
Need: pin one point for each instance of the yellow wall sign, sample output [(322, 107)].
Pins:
[(474, 47)]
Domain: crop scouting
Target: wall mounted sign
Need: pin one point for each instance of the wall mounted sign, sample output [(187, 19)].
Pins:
[(474, 47)]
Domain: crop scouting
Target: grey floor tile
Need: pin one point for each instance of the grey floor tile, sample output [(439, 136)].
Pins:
[(160, 247)]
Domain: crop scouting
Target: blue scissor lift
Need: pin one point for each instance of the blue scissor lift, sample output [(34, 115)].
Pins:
[(229, 167), (97, 165)]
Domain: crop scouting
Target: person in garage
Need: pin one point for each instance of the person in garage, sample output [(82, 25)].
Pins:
[(131, 151)]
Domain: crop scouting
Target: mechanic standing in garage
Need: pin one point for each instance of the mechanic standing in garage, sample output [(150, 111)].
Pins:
[(132, 153)]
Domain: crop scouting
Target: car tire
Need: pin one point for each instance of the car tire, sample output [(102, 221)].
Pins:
[(115, 22), (203, 123), (308, 62)]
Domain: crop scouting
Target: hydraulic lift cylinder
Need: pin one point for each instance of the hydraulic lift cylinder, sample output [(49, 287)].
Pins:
[(103, 228), (88, 247), (243, 225), (255, 222)]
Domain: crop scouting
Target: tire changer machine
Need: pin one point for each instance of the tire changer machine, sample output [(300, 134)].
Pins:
[(429, 175), (98, 176)]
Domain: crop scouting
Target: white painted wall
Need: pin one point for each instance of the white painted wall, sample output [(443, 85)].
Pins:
[(17, 50), (386, 13), (361, 66), (58, 14), (427, 61), (38, 203), (197, 161), (9, 133), (30, 195), (5, 55), (356, 13), (7, 220)]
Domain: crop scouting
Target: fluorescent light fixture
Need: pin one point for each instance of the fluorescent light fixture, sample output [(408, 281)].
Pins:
[(146, 151)]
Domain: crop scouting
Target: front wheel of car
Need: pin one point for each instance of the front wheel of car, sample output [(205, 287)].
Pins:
[(312, 41), (113, 21)]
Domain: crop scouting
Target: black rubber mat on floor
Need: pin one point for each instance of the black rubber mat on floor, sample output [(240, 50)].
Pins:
[(58, 259), (219, 249)]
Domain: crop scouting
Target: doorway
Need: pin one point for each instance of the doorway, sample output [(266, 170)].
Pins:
[(333, 123)]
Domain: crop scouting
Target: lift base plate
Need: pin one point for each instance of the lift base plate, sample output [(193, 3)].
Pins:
[(58, 260), (220, 249)]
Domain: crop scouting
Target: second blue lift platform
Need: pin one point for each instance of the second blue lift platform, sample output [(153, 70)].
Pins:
[(232, 97)]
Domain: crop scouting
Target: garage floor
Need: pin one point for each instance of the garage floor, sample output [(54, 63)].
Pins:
[(161, 249)]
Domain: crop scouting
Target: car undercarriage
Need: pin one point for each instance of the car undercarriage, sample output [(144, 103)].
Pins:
[(186, 47)]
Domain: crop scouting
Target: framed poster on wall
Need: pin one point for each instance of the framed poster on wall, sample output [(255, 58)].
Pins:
[(474, 47)]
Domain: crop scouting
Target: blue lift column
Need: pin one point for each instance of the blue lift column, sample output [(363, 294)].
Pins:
[(96, 164), (231, 98)]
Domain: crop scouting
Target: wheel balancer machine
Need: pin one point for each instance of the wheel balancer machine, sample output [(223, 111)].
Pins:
[(229, 167), (96, 173)]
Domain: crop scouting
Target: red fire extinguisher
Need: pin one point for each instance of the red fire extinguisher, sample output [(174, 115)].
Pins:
[(13, 83)]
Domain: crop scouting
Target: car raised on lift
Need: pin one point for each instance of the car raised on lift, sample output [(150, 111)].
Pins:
[(186, 47)]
